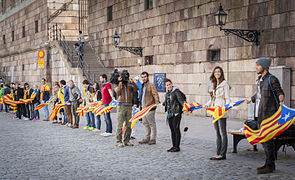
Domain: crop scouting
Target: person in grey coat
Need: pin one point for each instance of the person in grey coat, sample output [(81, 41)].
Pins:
[(75, 100)]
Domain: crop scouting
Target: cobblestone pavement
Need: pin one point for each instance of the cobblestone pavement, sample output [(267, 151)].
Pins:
[(41, 150)]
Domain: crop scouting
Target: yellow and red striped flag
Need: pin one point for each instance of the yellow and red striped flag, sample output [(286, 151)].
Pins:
[(44, 104), (56, 110), (271, 127), (218, 112), (5, 98), (191, 107), (141, 114)]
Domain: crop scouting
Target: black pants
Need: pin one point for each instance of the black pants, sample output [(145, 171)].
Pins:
[(27, 110), (221, 137), (174, 124), (20, 110), (74, 107)]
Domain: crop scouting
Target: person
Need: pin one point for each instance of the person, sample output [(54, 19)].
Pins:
[(44, 96), (28, 91), (106, 99), (149, 96), (82, 41), (19, 94), (124, 93), (65, 90), (75, 100), (1, 95), (173, 103), (36, 102), (56, 94), (220, 97), (79, 53), (268, 98), (6, 91), (97, 97), (88, 98)]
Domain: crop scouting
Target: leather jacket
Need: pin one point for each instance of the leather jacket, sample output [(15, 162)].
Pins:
[(125, 91), (151, 94), (268, 105), (176, 101)]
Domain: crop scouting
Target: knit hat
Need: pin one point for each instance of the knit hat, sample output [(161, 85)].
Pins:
[(264, 62)]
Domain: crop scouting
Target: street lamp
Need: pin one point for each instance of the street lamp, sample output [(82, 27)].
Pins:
[(133, 50), (249, 35)]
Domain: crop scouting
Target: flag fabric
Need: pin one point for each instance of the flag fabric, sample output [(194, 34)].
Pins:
[(56, 110), (44, 104), (21, 101), (191, 107), (85, 109), (5, 98), (107, 109), (271, 127), (141, 114), (218, 112)]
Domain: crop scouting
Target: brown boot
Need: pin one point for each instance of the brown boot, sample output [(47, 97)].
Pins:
[(144, 141), (45, 119), (265, 170), (152, 141), (75, 127)]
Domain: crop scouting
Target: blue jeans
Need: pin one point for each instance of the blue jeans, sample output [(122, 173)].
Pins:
[(107, 116), (65, 116), (1, 107), (46, 111), (90, 119), (98, 121), (36, 113)]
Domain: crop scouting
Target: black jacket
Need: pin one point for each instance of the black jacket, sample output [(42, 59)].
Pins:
[(19, 94), (176, 101), (268, 105), (37, 98), (6, 91)]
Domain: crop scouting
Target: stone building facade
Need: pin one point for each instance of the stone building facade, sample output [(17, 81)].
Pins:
[(184, 42)]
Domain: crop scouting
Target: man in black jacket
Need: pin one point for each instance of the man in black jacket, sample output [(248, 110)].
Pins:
[(28, 91), (268, 98), (19, 94)]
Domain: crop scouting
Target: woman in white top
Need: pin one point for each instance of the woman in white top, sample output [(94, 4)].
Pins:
[(219, 97)]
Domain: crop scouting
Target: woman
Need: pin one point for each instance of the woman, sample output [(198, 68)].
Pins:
[(173, 103), (56, 91), (220, 97), (97, 97), (36, 103)]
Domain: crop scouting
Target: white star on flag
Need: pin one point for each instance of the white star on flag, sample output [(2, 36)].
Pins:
[(286, 117)]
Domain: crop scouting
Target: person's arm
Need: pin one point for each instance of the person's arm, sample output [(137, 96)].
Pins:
[(111, 93), (276, 86), (118, 89), (180, 98), (155, 93), (226, 94)]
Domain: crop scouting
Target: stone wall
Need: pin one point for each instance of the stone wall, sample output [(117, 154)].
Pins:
[(178, 33)]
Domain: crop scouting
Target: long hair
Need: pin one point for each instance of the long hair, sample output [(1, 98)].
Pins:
[(214, 80)]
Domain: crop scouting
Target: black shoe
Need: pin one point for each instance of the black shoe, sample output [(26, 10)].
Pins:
[(176, 149), (265, 170), (221, 158), (169, 150), (132, 137), (262, 167)]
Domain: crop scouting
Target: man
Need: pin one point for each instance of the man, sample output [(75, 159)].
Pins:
[(107, 96), (135, 101), (268, 98), (6, 91), (124, 93), (149, 96), (75, 100), (1, 95), (87, 98), (82, 40), (66, 96), (79, 53), (19, 94), (28, 106), (44, 96)]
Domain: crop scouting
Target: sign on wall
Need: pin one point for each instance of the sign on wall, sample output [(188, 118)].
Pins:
[(40, 61), (159, 81)]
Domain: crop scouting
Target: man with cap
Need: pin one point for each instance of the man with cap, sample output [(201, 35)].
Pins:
[(268, 98)]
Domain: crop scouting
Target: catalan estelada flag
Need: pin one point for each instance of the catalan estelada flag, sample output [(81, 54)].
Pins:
[(191, 107), (271, 127), (21, 101), (5, 98), (107, 109), (141, 114), (44, 104), (56, 110), (218, 112)]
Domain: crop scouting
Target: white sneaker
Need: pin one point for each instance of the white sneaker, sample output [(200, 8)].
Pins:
[(103, 134), (96, 130), (108, 134), (69, 125), (26, 119)]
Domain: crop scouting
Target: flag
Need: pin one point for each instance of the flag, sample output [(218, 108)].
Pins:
[(191, 107), (218, 112), (134, 111), (44, 104), (56, 110), (141, 114), (5, 98), (107, 109), (271, 127)]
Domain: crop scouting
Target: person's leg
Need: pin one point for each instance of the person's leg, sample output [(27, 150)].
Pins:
[(120, 118), (147, 128), (92, 122), (1, 107), (127, 117), (87, 116), (69, 114), (98, 122), (46, 111), (18, 112), (170, 122), (223, 150), (6, 107), (152, 123), (65, 118), (218, 138), (76, 115), (269, 149), (176, 126), (32, 111)]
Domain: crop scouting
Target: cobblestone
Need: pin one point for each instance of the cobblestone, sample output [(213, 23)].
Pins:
[(41, 150)]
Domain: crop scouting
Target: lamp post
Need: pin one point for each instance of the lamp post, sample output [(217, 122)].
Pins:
[(249, 35), (133, 50)]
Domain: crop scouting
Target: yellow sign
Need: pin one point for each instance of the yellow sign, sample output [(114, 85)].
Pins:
[(41, 53), (41, 63)]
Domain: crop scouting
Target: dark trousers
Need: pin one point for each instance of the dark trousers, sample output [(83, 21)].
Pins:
[(221, 141), (174, 124), (69, 114), (74, 106), (20, 110)]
